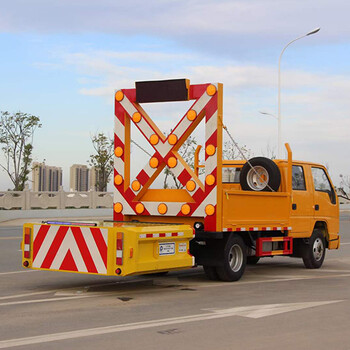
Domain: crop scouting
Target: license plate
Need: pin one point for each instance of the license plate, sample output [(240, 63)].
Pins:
[(166, 248)]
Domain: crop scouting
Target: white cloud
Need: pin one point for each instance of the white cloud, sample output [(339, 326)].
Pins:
[(313, 104), (224, 24)]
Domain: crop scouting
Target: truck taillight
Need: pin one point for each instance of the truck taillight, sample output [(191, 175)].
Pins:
[(119, 248), (27, 240)]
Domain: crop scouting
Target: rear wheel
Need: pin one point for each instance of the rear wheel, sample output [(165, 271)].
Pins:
[(314, 252), (211, 273), (235, 259)]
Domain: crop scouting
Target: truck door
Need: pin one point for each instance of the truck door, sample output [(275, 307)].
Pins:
[(325, 200), (302, 203)]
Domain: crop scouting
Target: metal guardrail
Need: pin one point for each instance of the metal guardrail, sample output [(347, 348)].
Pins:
[(28, 200)]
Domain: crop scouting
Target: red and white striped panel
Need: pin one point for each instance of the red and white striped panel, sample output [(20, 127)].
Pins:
[(157, 235), (206, 106), (263, 228), (66, 248)]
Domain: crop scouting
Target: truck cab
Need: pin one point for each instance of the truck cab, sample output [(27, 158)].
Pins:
[(277, 207)]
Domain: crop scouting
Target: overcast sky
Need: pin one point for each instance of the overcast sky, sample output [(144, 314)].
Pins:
[(63, 60)]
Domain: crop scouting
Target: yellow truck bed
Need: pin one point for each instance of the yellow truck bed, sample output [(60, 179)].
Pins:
[(106, 248)]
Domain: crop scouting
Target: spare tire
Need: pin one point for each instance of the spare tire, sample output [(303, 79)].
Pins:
[(260, 174)]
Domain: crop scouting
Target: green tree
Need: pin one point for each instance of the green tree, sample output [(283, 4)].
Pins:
[(345, 183), (230, 151), (16, 138), (102, 160)]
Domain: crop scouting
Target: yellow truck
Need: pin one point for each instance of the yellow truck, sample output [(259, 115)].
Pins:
[(233, 215)]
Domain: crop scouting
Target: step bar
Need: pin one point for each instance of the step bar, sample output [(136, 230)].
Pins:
[(287, 246)]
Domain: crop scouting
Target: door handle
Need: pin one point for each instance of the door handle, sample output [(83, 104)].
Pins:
[(317, 207)]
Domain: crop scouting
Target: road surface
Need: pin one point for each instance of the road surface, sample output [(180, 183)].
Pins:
[(277, 304)]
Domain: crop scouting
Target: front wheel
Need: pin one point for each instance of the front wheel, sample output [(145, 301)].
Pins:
[(235, 260), (314, 253), (252, 260)]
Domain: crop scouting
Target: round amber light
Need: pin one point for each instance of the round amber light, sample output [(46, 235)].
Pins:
[(118, 179), (118, 207), (139, 208), (153, 162), (185, 209), (172, 161), (119, 95), (191, 185), (211, 90), (210, 149), (162, 208), (136, 185), (209, 209), (154, 139), (172, 139), (210, 180), (118, 151), (136, 117), (191, 114)]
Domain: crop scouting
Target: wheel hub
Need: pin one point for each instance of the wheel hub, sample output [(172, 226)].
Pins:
[(318, 249), (257, 178), (236, 258)]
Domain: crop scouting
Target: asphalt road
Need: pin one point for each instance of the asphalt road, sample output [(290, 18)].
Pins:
[(277, 304)]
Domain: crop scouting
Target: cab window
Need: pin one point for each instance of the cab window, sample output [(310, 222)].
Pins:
[(298, 178), (322, 183), (230, 175)]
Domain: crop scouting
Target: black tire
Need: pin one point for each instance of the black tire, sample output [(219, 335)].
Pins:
[(269, 180), (211, 273), (314, 252), (234, 259), (252, 260)]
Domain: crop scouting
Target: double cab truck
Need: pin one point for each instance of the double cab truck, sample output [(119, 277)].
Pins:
[(236, 213)]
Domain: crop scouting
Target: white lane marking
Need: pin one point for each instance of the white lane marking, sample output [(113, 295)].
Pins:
[(333, 270), (44, 300), (10, 237), (259, 311), (23, 295), (250, 311), (12, 272), (217, 284), (346, 243)]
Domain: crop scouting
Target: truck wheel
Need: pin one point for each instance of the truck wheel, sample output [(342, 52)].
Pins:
[(314, 253), (252, 260), (211, 273), (235, 259), (260, 174)]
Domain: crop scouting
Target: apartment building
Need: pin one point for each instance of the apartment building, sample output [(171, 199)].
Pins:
[(45, 177), (80, 178)]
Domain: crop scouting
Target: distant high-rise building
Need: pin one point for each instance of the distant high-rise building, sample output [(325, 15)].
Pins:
[(46, 178), (80, 179), (95, 178)]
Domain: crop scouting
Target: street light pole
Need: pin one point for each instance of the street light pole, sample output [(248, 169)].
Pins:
[(279, 117)]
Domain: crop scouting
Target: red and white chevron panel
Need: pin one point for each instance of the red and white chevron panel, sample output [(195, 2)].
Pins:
[(205, 105), (70, 248)]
